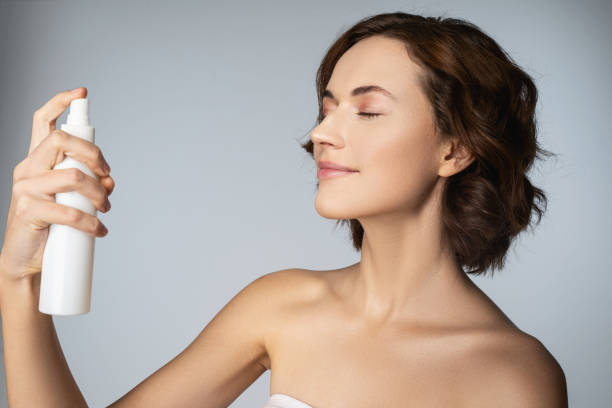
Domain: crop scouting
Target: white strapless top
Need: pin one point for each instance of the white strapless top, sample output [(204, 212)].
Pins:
[(285, 401)]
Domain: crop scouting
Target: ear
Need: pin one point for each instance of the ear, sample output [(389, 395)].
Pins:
[(454, 157)]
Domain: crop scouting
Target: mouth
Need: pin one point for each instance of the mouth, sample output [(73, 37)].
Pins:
[(324, 173), (324, 164), (328, 169)]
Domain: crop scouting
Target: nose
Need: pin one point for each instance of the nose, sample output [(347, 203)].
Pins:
[(326, 133)]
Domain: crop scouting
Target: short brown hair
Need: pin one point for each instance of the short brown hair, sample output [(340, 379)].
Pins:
[(480, 96)]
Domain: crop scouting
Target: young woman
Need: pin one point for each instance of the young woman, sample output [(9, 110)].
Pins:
[(426, 131)]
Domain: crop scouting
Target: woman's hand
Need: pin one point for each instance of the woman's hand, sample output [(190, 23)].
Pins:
[(33, 207)]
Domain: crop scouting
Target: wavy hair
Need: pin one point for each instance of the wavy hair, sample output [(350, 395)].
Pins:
[(480, 96)]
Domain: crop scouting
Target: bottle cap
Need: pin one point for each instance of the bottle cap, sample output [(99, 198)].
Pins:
[(79, 112)]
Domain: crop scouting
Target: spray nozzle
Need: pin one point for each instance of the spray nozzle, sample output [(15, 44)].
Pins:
[(79, 112)]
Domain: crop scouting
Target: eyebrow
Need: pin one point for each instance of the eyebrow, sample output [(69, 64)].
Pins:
[(362, 90)]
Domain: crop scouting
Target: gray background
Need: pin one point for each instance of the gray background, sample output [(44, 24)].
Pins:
[(200, 107)]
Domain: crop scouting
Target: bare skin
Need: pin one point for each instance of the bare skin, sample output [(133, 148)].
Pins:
[(402, 326), (405, 324), (325, 353)]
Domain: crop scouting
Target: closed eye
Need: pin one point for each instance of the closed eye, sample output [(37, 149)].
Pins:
[(366, 115), (369, 115)]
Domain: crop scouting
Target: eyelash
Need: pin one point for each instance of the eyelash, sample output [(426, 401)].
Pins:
[(367, 115)]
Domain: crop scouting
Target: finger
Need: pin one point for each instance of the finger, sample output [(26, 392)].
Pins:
[(63, 180), (43, 121), (53, 150), (41, 213), (108, 183)]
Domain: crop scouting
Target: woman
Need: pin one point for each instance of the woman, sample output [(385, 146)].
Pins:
[(433, 129)]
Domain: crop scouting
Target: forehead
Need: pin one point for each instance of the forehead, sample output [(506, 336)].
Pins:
[(376, 60)]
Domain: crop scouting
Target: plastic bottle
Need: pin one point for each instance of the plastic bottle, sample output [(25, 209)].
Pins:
[(67, 264)]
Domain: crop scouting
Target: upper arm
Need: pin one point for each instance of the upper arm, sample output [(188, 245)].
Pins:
[(528, 377), (220, 363)]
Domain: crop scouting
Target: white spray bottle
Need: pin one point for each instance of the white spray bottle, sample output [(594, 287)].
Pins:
[(67, 263)]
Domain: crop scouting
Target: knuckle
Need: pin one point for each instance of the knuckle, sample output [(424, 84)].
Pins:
[(73, 214), (17, 172), (57, 137), (21, 206), (76, 176), (17, 188)]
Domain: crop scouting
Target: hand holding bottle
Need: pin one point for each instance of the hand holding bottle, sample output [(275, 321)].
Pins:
[(33, 207)]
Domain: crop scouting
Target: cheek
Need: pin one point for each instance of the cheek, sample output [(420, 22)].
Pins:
[(398, 170)]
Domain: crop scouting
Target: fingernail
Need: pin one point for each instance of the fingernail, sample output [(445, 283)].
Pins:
[(106, 168)]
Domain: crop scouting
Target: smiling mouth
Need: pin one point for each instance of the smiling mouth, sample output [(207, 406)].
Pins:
[(326, 164), (324, 173)]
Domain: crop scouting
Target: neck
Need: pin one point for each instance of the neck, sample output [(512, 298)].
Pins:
[(407, 268)]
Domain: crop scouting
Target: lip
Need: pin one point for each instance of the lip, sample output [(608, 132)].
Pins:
[(324, 164), (329, 173), (329, 169)]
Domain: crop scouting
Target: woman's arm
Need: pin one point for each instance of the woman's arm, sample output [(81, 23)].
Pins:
[(212, 371), (219, 364), (37, 374)]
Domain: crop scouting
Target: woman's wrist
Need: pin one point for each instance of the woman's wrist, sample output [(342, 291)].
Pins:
[(22, 291)]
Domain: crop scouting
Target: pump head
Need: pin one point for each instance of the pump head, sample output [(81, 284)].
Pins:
[(79, 112)]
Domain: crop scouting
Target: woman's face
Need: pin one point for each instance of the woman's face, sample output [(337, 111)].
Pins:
[(396, 152)]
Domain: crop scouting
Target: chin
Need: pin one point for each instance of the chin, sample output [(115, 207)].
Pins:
[(337, 208)]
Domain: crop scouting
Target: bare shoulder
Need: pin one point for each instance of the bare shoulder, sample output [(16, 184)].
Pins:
[(516, 369), (293, 284), (280, 296), (273, 292)]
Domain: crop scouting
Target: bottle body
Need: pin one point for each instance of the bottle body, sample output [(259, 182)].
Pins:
[(67, 263)]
